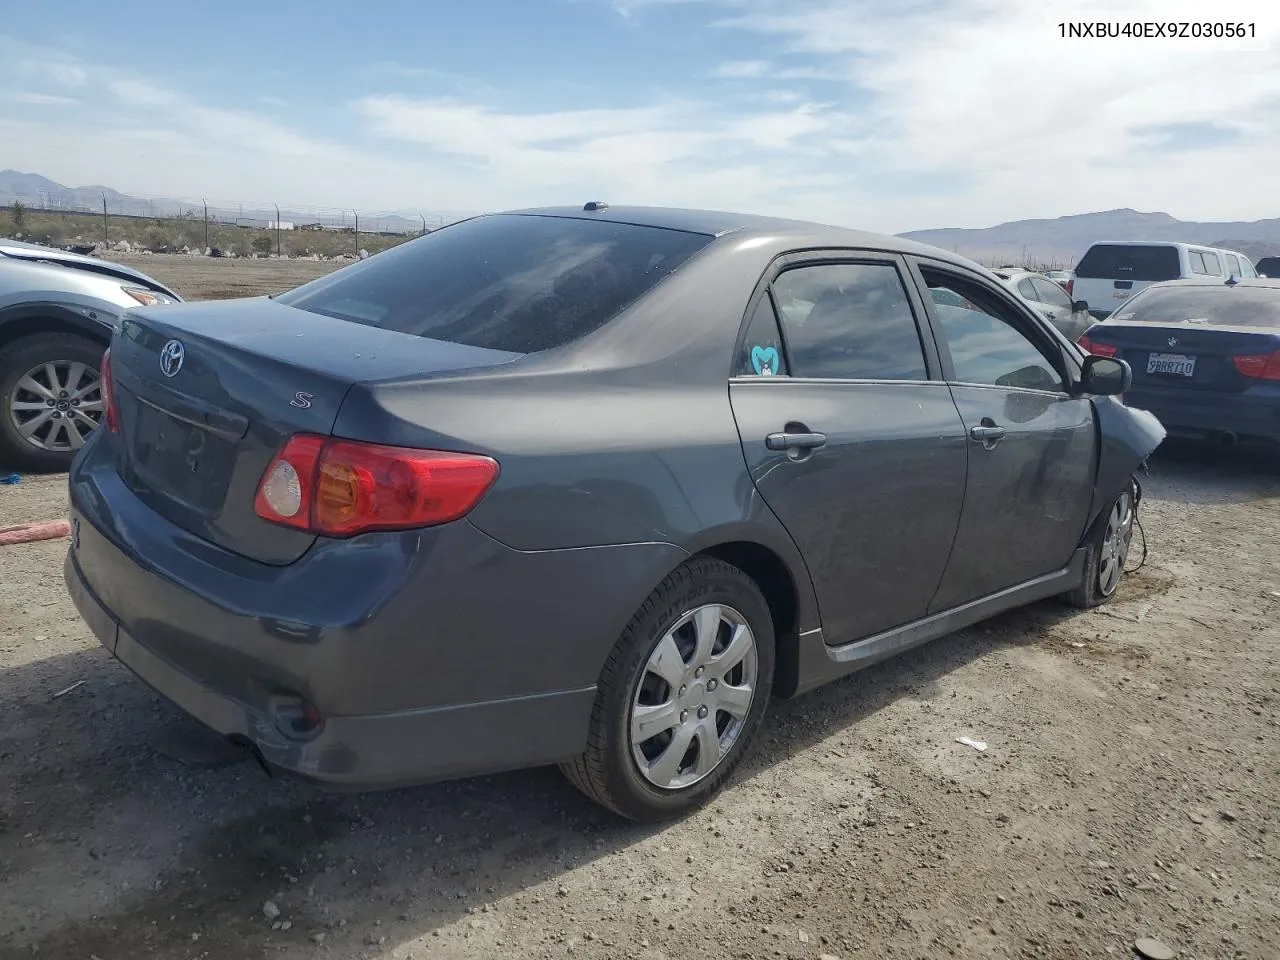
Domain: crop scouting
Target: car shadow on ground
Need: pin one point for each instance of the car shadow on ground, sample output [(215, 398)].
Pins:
[(89, 796)]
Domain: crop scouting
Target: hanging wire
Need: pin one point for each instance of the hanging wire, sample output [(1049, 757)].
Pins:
[(1141, 563)]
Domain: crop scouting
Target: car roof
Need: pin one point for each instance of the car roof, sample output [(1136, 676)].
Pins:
[(717, 223), (1177, 244)]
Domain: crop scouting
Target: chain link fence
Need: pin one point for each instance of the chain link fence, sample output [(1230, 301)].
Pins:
[(124, 224)]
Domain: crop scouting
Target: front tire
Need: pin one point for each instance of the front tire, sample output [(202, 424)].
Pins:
[(1107, 552), (682, 695), (50, 399)]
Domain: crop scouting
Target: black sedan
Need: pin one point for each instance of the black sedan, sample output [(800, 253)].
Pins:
[(587, 487), (1205, 356)]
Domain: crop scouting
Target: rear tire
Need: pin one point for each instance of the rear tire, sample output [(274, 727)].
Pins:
[(681, 696), (69, 356), (1107, 551)]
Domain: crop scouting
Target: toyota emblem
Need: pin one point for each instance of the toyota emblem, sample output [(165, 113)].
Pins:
[(171, 356)]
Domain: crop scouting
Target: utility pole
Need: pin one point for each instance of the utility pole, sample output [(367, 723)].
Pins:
[(424, 225), (206, 223), (277, 229), (356, 214), (105, 239)]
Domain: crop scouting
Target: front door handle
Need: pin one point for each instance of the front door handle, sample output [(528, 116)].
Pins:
[(988, 433), (795, 441)]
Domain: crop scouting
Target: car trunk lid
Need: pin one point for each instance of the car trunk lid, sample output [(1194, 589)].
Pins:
[(208, 393), (1185, 355)]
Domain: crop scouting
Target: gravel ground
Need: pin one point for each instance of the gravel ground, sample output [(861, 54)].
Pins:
[(1128, 790), (206, 278)]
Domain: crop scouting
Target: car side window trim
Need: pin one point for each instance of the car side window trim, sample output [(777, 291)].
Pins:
[(811, 258), (1025, 323)]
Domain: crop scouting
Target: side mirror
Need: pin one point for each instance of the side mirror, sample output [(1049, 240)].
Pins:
[(1080, 306), (1105, 376)]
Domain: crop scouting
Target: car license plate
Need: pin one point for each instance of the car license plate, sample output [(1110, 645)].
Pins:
[(1174, 364)]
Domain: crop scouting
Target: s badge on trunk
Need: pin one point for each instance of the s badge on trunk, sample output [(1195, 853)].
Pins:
[(171, 356)]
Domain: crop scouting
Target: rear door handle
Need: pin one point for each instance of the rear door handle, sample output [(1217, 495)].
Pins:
[(795, 441)]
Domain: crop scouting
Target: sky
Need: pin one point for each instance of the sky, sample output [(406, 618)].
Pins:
[(890, 115)]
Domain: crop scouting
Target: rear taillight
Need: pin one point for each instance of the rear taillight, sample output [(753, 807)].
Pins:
[(338, 488), (110, 415), (1264, 366), (1098, 349)]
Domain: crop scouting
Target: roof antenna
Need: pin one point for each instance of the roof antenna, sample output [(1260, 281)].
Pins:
[(1232, 281)]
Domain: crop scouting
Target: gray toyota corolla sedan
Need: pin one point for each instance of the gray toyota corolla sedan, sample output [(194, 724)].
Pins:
[(587, 487)]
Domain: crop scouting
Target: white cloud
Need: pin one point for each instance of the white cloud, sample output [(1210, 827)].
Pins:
[(742, 69), (928, 113), (37, 99), (1041, 125)]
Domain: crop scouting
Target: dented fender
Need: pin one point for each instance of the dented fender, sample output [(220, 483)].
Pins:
[(1126, 438)]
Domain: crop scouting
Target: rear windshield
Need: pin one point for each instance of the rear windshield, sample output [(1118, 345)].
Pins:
[(522, 284), (1219, 305), (1270, 266), (1107, 261)]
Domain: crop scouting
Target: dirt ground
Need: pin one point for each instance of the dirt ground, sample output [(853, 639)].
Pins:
[(208, 278), (1129, 789)]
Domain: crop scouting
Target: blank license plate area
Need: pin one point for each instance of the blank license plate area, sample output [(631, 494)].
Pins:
[(1171, 364), (180, 459)]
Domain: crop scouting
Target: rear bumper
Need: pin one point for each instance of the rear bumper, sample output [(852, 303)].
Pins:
[(1252, 414), (369, 752), (430, 655)]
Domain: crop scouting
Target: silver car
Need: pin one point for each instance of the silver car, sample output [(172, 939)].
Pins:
[(1049, 299), (57, 311)]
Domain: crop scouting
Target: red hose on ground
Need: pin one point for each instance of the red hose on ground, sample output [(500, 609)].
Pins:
[(29, 532)]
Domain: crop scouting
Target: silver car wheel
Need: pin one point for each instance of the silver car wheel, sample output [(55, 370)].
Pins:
[(693, 697), (56, 405), (1115, 545)]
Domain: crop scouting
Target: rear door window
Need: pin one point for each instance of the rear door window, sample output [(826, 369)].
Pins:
[(1212, 263), (1049, 292), (849, 321), (509, 282), (1233, 265), (1027, 289), (1117, 261)]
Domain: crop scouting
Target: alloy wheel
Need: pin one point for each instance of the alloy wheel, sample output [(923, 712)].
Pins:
[(56, 405)]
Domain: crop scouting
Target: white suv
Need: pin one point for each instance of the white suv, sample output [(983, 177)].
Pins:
[(1113, 271)]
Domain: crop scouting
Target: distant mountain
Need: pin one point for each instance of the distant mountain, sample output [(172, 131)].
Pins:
[(1058, 242), (1065, 239), (38, 192)]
